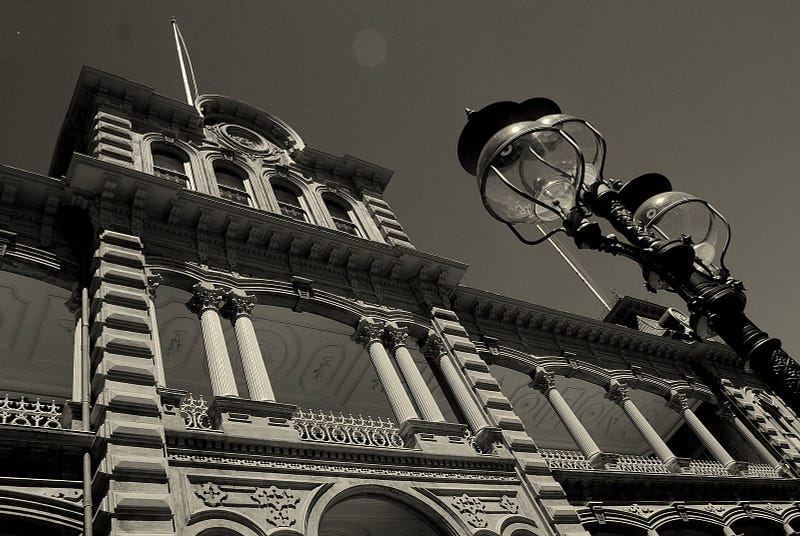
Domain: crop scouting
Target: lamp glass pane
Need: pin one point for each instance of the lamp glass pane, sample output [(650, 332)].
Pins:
[(672, 214), (590, 146)]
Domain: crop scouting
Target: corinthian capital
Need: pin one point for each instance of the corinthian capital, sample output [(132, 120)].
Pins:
[(543, 380), (618, 392), (678, 402), (369, 331), (434, 347), (206, 297), (239, 304), (395, 336)]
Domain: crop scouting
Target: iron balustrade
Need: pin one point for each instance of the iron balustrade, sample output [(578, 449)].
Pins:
[(31, 413), (291, 211), (232, 194), (346, 226), (347, 430), (171, 175), (630, 463)]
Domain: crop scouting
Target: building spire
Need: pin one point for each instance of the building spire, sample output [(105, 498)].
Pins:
[(189, 81)]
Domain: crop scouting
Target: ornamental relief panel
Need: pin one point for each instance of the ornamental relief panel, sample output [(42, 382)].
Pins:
[(269, 504), (479, 509)]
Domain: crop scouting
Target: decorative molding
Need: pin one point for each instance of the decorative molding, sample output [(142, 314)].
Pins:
[(368, 332), (280, 505), (210, 493), (471, 509), (205, 298), (395, 337)]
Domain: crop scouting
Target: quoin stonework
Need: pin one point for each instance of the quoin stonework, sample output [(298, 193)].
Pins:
[(210, 328)]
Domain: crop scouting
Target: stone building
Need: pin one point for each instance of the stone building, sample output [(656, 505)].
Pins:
[(209, 328)]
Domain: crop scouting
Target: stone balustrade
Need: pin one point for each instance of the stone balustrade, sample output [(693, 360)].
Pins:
[(347, 429)]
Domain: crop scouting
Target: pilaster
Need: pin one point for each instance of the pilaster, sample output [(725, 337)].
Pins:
[(131, 477)]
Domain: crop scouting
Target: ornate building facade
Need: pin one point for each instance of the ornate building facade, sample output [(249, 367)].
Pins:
[(209, 328)]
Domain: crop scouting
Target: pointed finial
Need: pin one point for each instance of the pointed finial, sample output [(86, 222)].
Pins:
[(469, 112)]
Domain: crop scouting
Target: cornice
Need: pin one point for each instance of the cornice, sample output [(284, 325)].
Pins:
[(513, 316), (360, 173)]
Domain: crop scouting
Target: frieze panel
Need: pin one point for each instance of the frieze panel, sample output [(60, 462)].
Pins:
[(455, 473)]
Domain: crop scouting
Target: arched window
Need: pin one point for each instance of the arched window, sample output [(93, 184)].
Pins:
[(231, 182), (289, 202), (171, 164), (342, 216)]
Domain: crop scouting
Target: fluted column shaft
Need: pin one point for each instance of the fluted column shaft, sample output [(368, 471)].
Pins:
[(618, 392), (396, 339), (206, 304), (239, 307), (370, 334), (544, 381), (727, 413), (679, 403), (436, 351)]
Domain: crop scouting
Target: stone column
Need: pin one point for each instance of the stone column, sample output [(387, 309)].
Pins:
[(396, 339), (153, 281), (239, 307), (544, 381), (618, 393), (680, 403), (727, 412), (206, 303), (436, 351), (370, 334)]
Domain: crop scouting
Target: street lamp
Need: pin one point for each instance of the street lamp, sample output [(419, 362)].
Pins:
[(539, 168)]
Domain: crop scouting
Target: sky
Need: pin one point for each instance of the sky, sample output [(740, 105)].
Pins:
[(703, 92)]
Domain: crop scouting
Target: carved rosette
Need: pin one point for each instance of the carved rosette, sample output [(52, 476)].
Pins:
[(509, 504), (678, 402), (280, 505), (543, 381), (237, 306), (434, 348), (472, 510), (395, 337), (369, 332), (618, 392), (210, 493), (206, 298)]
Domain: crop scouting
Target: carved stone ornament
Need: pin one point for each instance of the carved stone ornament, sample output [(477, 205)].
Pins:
[(205, 298), (280, 505), (509, 504), (71, 495), (714, 508), (396, 336), (727, 412), (543, 381), (153, 282), (238, 306), (618, 392), (210, 494), (434, 348), (678, 402), (639, 510), (472, 509), (369, 332)]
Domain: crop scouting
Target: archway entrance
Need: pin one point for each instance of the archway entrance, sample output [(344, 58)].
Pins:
[(373, 516), (690, 528), (757, 527)]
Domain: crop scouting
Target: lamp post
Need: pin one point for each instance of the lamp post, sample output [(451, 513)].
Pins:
[(537, 167)]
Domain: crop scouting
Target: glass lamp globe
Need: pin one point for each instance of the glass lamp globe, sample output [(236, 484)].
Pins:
[(529, 173), (671, 215), (590, 142)]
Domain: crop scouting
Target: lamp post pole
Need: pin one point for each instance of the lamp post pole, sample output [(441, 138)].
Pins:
[(536, 166)]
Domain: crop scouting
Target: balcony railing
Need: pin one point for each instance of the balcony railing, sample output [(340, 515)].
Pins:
[(346, 226), (628, 463), (232, 194), (347, 430), (31, 413), (296, 213), (171, 175)]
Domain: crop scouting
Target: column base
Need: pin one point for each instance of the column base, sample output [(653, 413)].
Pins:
[(601, 460), (253, 419), (677, 464), (436, 437), (737, 468)]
